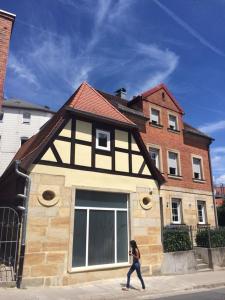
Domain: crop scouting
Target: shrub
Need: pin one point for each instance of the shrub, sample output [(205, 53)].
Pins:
[(214, 237), (176, 239), (221, 215)]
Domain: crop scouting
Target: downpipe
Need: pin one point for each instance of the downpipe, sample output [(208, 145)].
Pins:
[(24, 209)]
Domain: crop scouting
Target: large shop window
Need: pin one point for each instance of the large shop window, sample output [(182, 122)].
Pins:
[(100, 229)]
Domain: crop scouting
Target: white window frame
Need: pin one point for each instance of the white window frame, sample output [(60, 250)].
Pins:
[(179, 214), (155, 150), (23, 138), (176, 122), (110, 265), (201, 167), (203, 211), (178, 173), (151, 120), (107, 133), (1, 117), (26, 120)]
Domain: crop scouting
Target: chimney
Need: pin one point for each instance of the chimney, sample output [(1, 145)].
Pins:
[(121, 92), (6, 25)]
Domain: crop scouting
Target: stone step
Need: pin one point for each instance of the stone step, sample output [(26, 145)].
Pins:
[(202, 266), (205, 270)]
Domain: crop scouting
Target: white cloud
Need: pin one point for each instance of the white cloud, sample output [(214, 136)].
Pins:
[(212, 127), (189, 29), (216, 150), (161, 64), (220, 179), (22, 71)]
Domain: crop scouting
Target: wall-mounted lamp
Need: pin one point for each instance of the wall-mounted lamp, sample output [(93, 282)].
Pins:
[(167, 204), (189, 205)]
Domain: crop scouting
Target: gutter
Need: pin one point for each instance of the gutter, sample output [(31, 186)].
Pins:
[(214, 201), (24, 210)]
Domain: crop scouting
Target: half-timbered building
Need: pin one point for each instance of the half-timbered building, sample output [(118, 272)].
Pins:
[(85, 185)]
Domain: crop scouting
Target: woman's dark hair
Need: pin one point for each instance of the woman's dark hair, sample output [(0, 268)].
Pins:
[(133, 244)]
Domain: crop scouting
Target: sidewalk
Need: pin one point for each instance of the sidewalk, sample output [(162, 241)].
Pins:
[(156, 286)]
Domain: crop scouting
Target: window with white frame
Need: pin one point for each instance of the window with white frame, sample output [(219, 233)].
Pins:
[(100, 234), (173, 164), (26, 118), (23, 140), (173, 122), (155, 156), (176, 211), (102, 139), (155, 116), (201, 212), (1, 116), (197, 168)]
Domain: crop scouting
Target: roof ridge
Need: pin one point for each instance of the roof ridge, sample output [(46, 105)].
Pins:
[(114, 108)]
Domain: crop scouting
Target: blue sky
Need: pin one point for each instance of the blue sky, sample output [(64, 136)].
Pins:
[(136, 44)]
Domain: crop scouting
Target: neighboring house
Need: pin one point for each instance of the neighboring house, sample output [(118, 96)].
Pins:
[(93, 188), (179, 151), (18, 122), (219, 194), (6, 25)]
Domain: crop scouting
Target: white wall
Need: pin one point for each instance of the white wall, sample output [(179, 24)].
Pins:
[(12, 129)]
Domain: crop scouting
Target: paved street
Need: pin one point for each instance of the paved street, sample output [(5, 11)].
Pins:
[(214, 294), (157, 287)]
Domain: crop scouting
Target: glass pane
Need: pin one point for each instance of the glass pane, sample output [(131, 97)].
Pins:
[(100, 199), (122, 236), (102, 140), (101, 238), (79, 238)]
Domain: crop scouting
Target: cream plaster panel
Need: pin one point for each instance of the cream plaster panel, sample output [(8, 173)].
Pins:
[(137, 161), (121, 161), (134, 146), (121, 139), (63, 149), (94, 179), (82, 155), (146, 171), (49, 156), (103, 162), (83, 131), (66, 130)]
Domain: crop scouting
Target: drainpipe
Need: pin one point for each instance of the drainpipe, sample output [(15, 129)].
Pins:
[(24, 209), (214, 201)]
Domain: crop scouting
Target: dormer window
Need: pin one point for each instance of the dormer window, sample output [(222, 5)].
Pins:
[(173, 122), (102, 139), (155, 116)]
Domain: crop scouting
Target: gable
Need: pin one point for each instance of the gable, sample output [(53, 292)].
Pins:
[(75, 147), (163, 99)]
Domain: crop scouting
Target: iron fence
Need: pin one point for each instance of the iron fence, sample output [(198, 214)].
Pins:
[(9, 243)]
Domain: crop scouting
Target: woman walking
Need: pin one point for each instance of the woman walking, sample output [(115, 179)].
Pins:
[(135, 265)]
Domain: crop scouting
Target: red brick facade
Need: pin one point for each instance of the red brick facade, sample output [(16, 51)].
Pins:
[(187, 145), (6, 24)]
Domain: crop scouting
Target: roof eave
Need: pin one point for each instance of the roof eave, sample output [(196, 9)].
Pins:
[(99, 118), (198, 134)]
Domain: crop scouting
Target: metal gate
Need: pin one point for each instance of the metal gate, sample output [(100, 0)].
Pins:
[(9, 244)]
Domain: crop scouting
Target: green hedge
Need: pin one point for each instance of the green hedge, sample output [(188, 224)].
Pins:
[(176, 239), (215, 237)]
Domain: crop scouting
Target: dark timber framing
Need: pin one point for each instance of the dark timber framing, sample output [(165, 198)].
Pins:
[(95, 151)]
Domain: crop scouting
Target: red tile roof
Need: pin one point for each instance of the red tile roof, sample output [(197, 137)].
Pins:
[(89, 100)]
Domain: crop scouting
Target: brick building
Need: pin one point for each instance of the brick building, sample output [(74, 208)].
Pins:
[(6, 25), (179, 151)]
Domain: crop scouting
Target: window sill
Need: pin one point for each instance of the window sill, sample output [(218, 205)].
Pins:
[(173, 130), (156, 125), (177, 177), (99, 267), (199, 180)]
